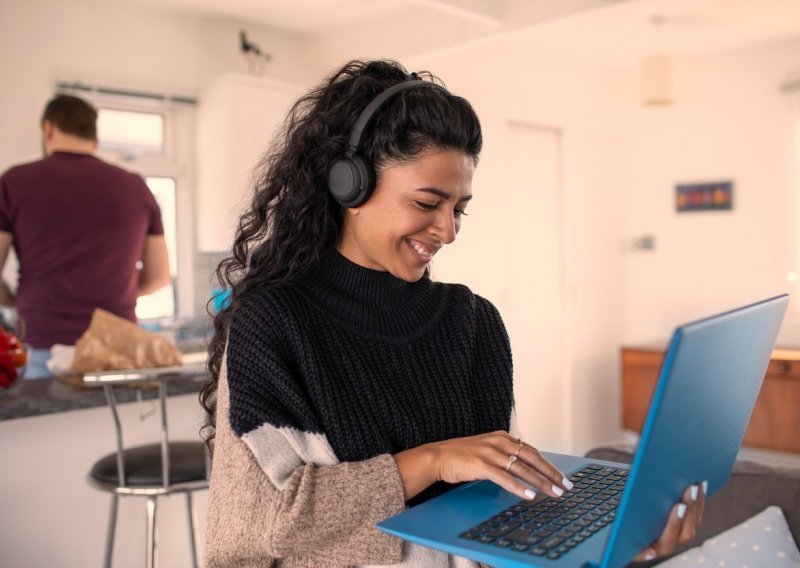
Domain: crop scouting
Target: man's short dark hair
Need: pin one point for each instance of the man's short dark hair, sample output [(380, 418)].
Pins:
[(72, 115)]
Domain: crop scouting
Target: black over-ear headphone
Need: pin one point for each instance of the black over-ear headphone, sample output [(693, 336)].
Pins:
[(352, 179)]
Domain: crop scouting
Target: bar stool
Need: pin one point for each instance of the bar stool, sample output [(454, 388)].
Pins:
[(152, 470)]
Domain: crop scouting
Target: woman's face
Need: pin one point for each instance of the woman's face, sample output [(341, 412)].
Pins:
[(416, 209)]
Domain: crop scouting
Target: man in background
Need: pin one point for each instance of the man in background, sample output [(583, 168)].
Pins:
[(87, 234)]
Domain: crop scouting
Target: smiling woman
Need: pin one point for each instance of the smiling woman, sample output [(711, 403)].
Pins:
[(347, 384), (416, 209)]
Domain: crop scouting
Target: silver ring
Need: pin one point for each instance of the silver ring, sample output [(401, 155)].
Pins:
[(521, 443), (511, 459)]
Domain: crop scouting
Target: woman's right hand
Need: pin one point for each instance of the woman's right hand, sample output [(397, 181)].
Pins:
[(495, 456)]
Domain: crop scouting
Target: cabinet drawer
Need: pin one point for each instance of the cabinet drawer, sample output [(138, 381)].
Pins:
[(783, 369), (775, 424), (640, 370)]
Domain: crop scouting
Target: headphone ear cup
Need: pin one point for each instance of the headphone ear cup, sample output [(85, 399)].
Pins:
[(351, 181)]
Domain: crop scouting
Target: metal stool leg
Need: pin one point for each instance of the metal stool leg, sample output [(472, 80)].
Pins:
[(192, 527), (112, 527), (151, 532)]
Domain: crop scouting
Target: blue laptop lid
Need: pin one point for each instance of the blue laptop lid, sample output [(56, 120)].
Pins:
[(700, 409)]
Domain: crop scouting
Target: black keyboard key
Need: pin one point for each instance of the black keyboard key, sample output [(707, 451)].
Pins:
[(503, 542), (502, 530), (523, 536), (552, 542), (533, 525), (520, 546), (537, 551)]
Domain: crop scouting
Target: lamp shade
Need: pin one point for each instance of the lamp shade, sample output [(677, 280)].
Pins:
[(656, 77)]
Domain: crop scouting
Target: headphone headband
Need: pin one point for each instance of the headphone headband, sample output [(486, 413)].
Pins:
[(354, 144), (351, 179)]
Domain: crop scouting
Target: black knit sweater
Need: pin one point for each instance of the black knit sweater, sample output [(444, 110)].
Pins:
[(376, 364)]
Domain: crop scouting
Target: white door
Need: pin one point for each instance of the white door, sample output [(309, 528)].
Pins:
[(536, 321)]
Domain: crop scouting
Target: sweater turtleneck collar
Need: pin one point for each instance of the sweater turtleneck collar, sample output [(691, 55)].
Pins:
[(373, 302)]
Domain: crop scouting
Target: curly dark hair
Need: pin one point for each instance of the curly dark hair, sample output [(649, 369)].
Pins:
[(292, 220)]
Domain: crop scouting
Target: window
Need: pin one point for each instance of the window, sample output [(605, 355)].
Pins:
[(161, 303), (130, 134)]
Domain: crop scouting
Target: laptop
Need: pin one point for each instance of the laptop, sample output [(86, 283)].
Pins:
[(706, 391)]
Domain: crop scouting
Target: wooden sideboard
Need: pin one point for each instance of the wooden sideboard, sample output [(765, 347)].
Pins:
[(775, 424)]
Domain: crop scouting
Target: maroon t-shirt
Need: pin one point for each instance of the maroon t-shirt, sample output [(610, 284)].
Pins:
[(79, 226)]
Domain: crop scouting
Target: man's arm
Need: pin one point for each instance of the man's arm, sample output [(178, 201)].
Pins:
[(6, 297), (155, 265)]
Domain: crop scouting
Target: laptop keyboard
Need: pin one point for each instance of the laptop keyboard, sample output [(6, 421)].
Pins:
[(552, 527)]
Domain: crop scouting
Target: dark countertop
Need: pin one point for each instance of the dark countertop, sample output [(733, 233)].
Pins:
[(37, 397)]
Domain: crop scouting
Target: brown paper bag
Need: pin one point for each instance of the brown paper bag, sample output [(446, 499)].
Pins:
[(114, 343)]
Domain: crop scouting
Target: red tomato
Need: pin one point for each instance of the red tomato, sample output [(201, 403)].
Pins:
[(8, 372), (18, 357), (8, 340), (5, 340)]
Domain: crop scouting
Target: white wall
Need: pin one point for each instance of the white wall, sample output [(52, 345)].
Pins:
[(731, 122), (98, 42)]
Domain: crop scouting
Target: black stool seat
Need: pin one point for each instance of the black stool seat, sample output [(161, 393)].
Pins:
[(143, 465)]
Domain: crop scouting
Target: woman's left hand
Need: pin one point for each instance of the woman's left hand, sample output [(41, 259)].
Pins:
[(682, 523)]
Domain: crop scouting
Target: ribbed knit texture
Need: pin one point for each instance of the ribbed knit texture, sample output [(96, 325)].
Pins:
[(322, 382), (377, 364)]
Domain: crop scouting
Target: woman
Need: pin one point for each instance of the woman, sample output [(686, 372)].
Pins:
[(348, 385)]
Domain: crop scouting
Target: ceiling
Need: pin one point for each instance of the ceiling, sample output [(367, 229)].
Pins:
[(610, 32)]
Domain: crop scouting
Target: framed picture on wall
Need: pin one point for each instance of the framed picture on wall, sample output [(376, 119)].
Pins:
[(704, 196)]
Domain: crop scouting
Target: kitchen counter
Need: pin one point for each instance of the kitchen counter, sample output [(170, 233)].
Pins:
[(48, 396), (47, 451)]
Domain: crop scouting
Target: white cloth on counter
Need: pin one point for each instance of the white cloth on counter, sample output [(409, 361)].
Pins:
[(61, 356)]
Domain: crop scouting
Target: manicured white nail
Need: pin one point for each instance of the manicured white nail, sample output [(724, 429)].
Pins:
[(649, 555), (557, 490), (705, 488), (693, 492), (681, 510), (566, 483), (530, 493)]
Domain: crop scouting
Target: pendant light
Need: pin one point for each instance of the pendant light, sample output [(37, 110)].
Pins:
[(656, 71)]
